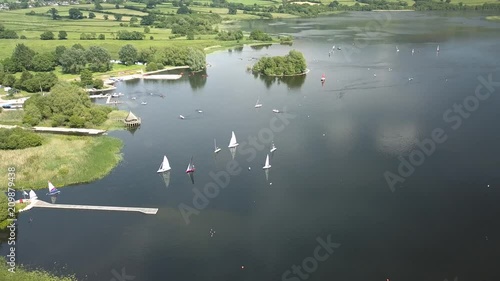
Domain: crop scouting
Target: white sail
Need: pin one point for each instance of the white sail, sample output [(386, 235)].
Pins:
[(190, 167), (267, 165), (165, 165), (33, 195), (51, 187), (437, 48), (233, 142)]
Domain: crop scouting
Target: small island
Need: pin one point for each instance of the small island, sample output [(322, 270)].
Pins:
[(291, 64)]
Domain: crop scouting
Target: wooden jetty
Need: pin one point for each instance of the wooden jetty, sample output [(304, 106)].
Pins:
[(41, 204), (163, 77), (68, 130)]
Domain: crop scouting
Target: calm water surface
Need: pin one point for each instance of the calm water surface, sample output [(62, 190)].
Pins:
[(328, 172)]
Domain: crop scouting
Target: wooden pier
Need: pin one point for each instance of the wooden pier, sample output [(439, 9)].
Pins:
[(162, 77), (42, 204), (68, 130)]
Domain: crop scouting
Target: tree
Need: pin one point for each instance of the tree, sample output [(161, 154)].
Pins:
[(91, 15), (151, 4), (73, 61), (47, 35), (102, 37), (58, 52), (9, 80), (183, 10), (4, 208), (105, 17), (78, 46), (44, 62), (62, 35), (98, 6), (146, 30), (22, 57), (232, 10), (148, 20), (134, 20), (26, 75), (128, 54), (98, 59), (118, 17), (190, 35), (75, 14), (53, 13), (86, 79)]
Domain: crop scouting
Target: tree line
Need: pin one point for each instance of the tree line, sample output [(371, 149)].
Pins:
[(293, 63), (66, 105)]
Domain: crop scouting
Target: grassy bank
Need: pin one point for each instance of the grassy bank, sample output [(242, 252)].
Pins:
[(493, 18), (22, 274), (78, 159)]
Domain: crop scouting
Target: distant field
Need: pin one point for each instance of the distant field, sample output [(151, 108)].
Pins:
[(494, 18)]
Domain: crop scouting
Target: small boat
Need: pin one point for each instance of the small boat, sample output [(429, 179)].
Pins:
[(190, 167), (52, 190), (397, 49), (323, 78), (233, 142), (338, 48), (257, 105), (437, 50), (267, 165), (273, 147), (412, 51), (134, 98), (115, 95), (144, 103), (276, 111), (199, 111), (181, 117), (217, 149), (165, 166)]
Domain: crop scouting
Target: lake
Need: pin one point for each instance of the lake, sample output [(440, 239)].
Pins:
[(334, 202)]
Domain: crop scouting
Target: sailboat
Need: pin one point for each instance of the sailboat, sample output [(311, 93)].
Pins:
[(437, 50), (232, 142), (181, 117), (217, 149), (267, 165), (323, 78), (52, 190), (276, 111), (273, 148), (165, 166), (257, 105), (190, 167), (412, 51), (397, 49)]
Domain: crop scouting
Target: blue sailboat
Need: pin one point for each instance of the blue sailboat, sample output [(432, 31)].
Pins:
[(52, 190)]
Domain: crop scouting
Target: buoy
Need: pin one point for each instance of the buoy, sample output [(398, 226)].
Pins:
[(242, 267), (249, 168)]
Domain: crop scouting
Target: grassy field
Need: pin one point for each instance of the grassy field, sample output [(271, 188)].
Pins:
[(11, 117), (22, 274), (78, 159)]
